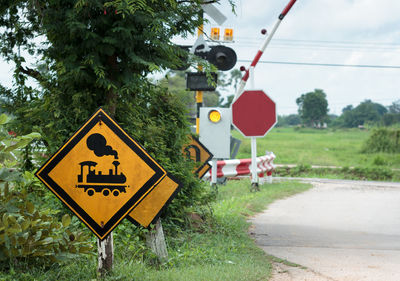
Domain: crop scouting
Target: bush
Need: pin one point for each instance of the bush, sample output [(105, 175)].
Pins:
[(379, 161), (383, 140), (29, 233)]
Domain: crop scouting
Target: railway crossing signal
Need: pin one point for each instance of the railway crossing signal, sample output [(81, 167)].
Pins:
[(101, 174), (215, 130), (223, 57)]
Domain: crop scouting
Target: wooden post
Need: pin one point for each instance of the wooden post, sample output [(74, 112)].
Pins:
[(105, 250), (156, 241)]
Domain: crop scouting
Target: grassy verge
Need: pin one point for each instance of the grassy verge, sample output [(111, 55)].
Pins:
[(375, 173), (330, 147), (216, 248)]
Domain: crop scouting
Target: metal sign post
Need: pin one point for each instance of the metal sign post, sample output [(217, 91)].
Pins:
[(214, 172), (254, 176)]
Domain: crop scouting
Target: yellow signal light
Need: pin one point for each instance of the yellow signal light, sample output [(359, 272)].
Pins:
[(228, 34), (214, 116), (215, 33)]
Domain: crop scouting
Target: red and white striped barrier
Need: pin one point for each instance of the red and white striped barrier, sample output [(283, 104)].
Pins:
[(241, 167), (264, 45)]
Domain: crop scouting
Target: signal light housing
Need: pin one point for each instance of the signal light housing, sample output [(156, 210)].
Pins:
[(215, 130), (228, 34), (214, 33), (224, 58)]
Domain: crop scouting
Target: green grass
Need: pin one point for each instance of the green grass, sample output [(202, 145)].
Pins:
[(219, 250), (329, 147), (375, 173)]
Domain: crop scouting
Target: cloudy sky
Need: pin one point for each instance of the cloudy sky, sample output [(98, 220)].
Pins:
[(339, 32)]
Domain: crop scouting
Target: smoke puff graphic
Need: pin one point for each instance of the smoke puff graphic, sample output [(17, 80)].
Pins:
[(98, 144)]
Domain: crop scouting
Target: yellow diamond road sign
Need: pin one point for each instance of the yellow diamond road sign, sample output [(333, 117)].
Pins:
[(197, 152), (101, 173), (149, 209)]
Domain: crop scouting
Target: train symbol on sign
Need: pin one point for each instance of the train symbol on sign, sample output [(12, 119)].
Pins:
[(98, 182)]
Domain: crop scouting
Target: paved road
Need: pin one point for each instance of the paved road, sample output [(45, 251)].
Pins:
[(339, 230)]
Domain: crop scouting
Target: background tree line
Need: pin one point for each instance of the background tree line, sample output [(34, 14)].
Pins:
[(313, 111)]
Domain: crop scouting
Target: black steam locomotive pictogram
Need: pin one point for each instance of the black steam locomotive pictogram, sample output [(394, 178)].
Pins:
[(98, 182)]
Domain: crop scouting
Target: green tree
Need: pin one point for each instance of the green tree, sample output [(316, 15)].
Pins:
[(92, 53), (365, 112), (394, 107), (89, 54), (313, 107), (392, 117), (288, 120), (235, 76), (176, 83)]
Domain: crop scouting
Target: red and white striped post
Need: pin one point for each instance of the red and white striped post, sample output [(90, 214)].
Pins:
[(264, 45)]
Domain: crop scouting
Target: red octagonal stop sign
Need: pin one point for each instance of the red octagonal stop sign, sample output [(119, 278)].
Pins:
[(254, 113)]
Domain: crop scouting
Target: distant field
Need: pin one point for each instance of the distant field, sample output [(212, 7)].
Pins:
[(318, 147)]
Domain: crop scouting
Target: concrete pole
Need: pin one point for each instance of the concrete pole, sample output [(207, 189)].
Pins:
[(155, 240), (105, 250)]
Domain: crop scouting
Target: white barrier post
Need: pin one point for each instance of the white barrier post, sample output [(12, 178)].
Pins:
[(269, 173)]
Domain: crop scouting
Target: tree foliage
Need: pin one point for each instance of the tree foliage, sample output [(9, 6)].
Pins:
[(365, 112), (313, 107), (394, 108), (92, 53), (288, 120)]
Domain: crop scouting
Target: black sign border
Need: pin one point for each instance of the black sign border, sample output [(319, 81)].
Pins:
[(205, 171), (205, 162), (43, 173)]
